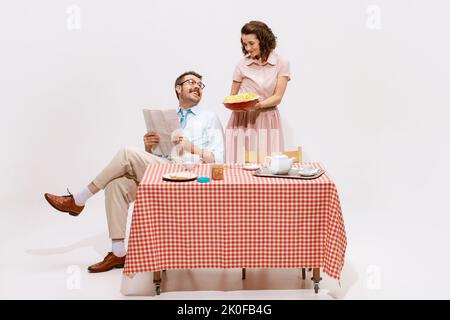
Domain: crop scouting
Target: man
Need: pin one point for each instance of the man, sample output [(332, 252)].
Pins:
[(202, 134)]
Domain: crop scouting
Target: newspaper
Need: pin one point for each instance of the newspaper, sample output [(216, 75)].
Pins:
[(164, 123)]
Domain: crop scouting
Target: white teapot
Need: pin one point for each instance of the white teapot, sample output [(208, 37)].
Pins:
[(279, 164)]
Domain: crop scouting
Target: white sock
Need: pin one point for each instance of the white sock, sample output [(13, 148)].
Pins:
[(82, 196), (118, 248)]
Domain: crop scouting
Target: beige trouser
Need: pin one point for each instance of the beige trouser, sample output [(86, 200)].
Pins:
[(120, 179)]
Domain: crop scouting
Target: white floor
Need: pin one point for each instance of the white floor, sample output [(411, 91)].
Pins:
[(45, 255)]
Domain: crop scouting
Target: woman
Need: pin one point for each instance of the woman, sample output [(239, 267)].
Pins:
[(263, 71)]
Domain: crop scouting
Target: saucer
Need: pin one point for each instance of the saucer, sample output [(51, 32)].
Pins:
[(180, 176), (307, 171), (251, 166)]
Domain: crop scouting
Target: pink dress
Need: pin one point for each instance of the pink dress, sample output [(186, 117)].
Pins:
[(259, 131)]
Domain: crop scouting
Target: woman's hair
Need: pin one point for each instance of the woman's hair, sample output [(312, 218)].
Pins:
[(267, 40)]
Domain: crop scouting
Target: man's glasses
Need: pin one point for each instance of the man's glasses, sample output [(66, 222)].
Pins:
[(192, 82)]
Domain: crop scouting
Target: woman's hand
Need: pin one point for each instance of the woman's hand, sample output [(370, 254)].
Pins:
[(255, 107)]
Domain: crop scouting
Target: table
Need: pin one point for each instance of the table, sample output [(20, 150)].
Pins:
[(242, 221)]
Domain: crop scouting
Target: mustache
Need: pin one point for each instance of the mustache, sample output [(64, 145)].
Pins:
[(194, 90)]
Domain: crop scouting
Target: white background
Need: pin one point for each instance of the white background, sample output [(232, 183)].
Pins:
[(371, 104)]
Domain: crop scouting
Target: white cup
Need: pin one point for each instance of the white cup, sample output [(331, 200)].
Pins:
[(190, 161)]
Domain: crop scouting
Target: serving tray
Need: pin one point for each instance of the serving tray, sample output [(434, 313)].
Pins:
[(290, 175)]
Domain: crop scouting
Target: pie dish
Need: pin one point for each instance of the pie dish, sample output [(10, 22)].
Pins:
[(241, 102)]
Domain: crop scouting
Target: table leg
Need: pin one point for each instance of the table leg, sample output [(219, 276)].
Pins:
[(243, 273), (316, 279), (303, 273), (157, 282)]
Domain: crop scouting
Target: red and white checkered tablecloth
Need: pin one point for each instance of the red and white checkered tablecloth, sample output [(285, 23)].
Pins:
[(242, 221)]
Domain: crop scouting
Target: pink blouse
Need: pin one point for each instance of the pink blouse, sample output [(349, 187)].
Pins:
[(258, 78)]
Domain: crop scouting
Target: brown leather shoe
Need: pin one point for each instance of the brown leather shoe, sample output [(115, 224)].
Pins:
[(64, 204), (111, 261)]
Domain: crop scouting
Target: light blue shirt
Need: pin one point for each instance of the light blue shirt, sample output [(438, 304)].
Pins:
[(204, 130)]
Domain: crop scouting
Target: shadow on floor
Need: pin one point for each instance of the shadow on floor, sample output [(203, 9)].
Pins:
[(98, 243), (230, 280)]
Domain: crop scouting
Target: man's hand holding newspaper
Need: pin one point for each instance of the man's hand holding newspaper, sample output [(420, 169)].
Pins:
[(165, 137), (151, 140), (160, 126), (181, 142)]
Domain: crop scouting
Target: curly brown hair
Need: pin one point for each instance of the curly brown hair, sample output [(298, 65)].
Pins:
[(267, 40)]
